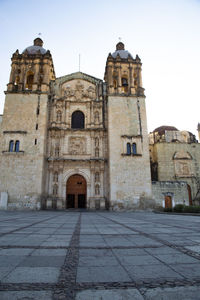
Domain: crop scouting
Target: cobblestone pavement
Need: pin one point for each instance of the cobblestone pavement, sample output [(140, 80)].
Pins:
[(99, 255)]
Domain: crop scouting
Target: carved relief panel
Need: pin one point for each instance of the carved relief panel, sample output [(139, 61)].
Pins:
[(183, 164), (79, 90), (77, 145)]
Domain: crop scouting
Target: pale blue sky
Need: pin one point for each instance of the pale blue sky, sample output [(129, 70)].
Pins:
[(165, 34)]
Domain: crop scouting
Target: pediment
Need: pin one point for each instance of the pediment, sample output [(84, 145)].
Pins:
[(182, 155)]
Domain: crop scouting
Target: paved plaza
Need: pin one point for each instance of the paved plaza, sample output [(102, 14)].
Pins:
[(99, 255)]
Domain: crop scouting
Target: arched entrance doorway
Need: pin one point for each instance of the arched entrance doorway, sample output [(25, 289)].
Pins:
[(76, 192)]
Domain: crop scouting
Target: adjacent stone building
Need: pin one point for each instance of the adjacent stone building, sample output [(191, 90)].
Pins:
[(80, 142), (175, 166)]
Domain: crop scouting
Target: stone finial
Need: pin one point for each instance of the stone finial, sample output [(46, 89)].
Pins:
[(120, 46), (38, 42)]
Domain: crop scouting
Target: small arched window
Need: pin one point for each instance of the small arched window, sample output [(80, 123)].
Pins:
[(29, 80), (11, 146), (115, 83), (59, 116), (78, 120), (134, 148), (128, 148), (17, 146)]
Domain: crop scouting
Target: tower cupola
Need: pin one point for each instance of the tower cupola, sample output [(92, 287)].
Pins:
[(123, 72), (32, 70)]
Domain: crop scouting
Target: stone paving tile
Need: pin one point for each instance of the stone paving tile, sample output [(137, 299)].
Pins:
[(11, 261), (194, 248), (32, 275), (138, 260), (129, 252), (179, 258), (178, 293), (95, 252), (129, 294), (5, 271), (42, 261), (97, 261), (102, 274), (162, 250), (49, 252), (188, 270), (157, 271), (26, 295), (15, 251)]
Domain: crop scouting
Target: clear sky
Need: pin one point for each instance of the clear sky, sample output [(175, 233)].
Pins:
[(165, 34)]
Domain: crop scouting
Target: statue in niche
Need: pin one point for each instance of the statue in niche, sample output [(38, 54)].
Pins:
[(59, 116), (96, 142), (97, 189), (55, 177), (57, 151), (55, 190), (96, 152), (96, 178), (96, 117)]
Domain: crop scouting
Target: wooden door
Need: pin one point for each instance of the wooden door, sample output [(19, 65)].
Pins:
[(168, 202), (76, 192)]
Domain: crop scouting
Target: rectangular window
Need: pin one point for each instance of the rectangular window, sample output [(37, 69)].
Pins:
[(36, 127), (35, 141)]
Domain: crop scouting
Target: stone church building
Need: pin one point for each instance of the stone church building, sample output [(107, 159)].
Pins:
[(80, 142)]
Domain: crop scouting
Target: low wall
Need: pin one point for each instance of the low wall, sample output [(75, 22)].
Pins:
[(176, 189)]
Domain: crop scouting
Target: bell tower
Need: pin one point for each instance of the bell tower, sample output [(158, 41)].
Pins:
[(32, 70), (129, 167), (24, 126)]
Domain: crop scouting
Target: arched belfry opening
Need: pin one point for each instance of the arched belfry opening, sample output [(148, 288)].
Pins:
[(76, 192)]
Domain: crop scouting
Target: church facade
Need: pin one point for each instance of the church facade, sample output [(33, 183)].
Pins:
[(80, 142)]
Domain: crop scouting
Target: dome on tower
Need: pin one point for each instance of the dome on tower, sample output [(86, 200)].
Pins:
[(37, 46), (161, 130), (120, 50)]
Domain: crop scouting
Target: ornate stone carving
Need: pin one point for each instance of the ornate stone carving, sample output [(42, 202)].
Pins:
[(77, 145), (79, 92), (59, 104)]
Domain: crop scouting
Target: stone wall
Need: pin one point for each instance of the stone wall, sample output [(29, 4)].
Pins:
[(22, 173), (129, 175), (176, 189), (178, 162)]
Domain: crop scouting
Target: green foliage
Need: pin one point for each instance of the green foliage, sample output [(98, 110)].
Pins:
[(167, 209), (178, 208), (191, 209)]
